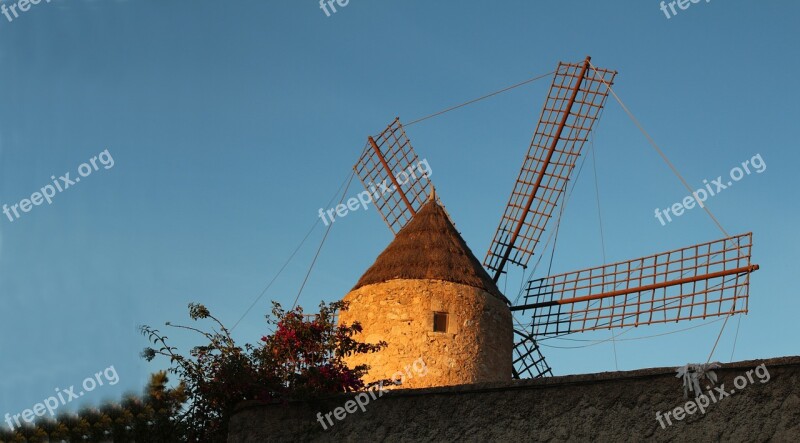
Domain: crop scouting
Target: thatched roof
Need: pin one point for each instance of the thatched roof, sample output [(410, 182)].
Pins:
[(429, 247)]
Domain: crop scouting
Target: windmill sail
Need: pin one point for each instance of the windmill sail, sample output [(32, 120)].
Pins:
[(398, 181), (528, 359), (696, 282), (573, 104)]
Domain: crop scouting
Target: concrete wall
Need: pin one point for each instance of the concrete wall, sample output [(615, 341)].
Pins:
[(476, 348), (619, 406)]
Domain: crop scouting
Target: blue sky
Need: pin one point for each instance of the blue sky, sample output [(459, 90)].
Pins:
[(231, 123)]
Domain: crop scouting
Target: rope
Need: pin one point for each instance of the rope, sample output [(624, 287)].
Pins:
[(597, 197), (453, 108), (319, 249), (555, 239), (733, 308), (685, 183), (660, 152), (583, 346), (597, 342), (736, 336), (602, 238), (716, 342), (286, 263)]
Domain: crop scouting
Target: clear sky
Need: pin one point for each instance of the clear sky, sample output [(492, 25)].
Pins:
[(231, 123)]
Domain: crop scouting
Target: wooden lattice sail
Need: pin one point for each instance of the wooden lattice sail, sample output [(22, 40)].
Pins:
[(696, 282), (390, 170), (573, 104)]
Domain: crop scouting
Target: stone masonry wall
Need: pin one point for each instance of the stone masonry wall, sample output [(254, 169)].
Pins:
[(616, 406), (476, 348)]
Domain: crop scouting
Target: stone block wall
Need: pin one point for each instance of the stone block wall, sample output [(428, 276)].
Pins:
[(615, 406), (476, 348)]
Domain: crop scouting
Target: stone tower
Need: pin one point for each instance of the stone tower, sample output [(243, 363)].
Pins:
[(430, 299)]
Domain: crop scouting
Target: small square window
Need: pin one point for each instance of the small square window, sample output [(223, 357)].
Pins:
[(440, 322)]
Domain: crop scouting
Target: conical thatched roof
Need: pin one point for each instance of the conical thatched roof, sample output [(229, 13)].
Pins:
[(429, 247)]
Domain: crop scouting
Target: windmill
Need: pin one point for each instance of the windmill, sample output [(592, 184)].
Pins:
[(695, 282)]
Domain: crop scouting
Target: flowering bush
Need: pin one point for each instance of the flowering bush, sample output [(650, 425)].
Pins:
[(302, 358)]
